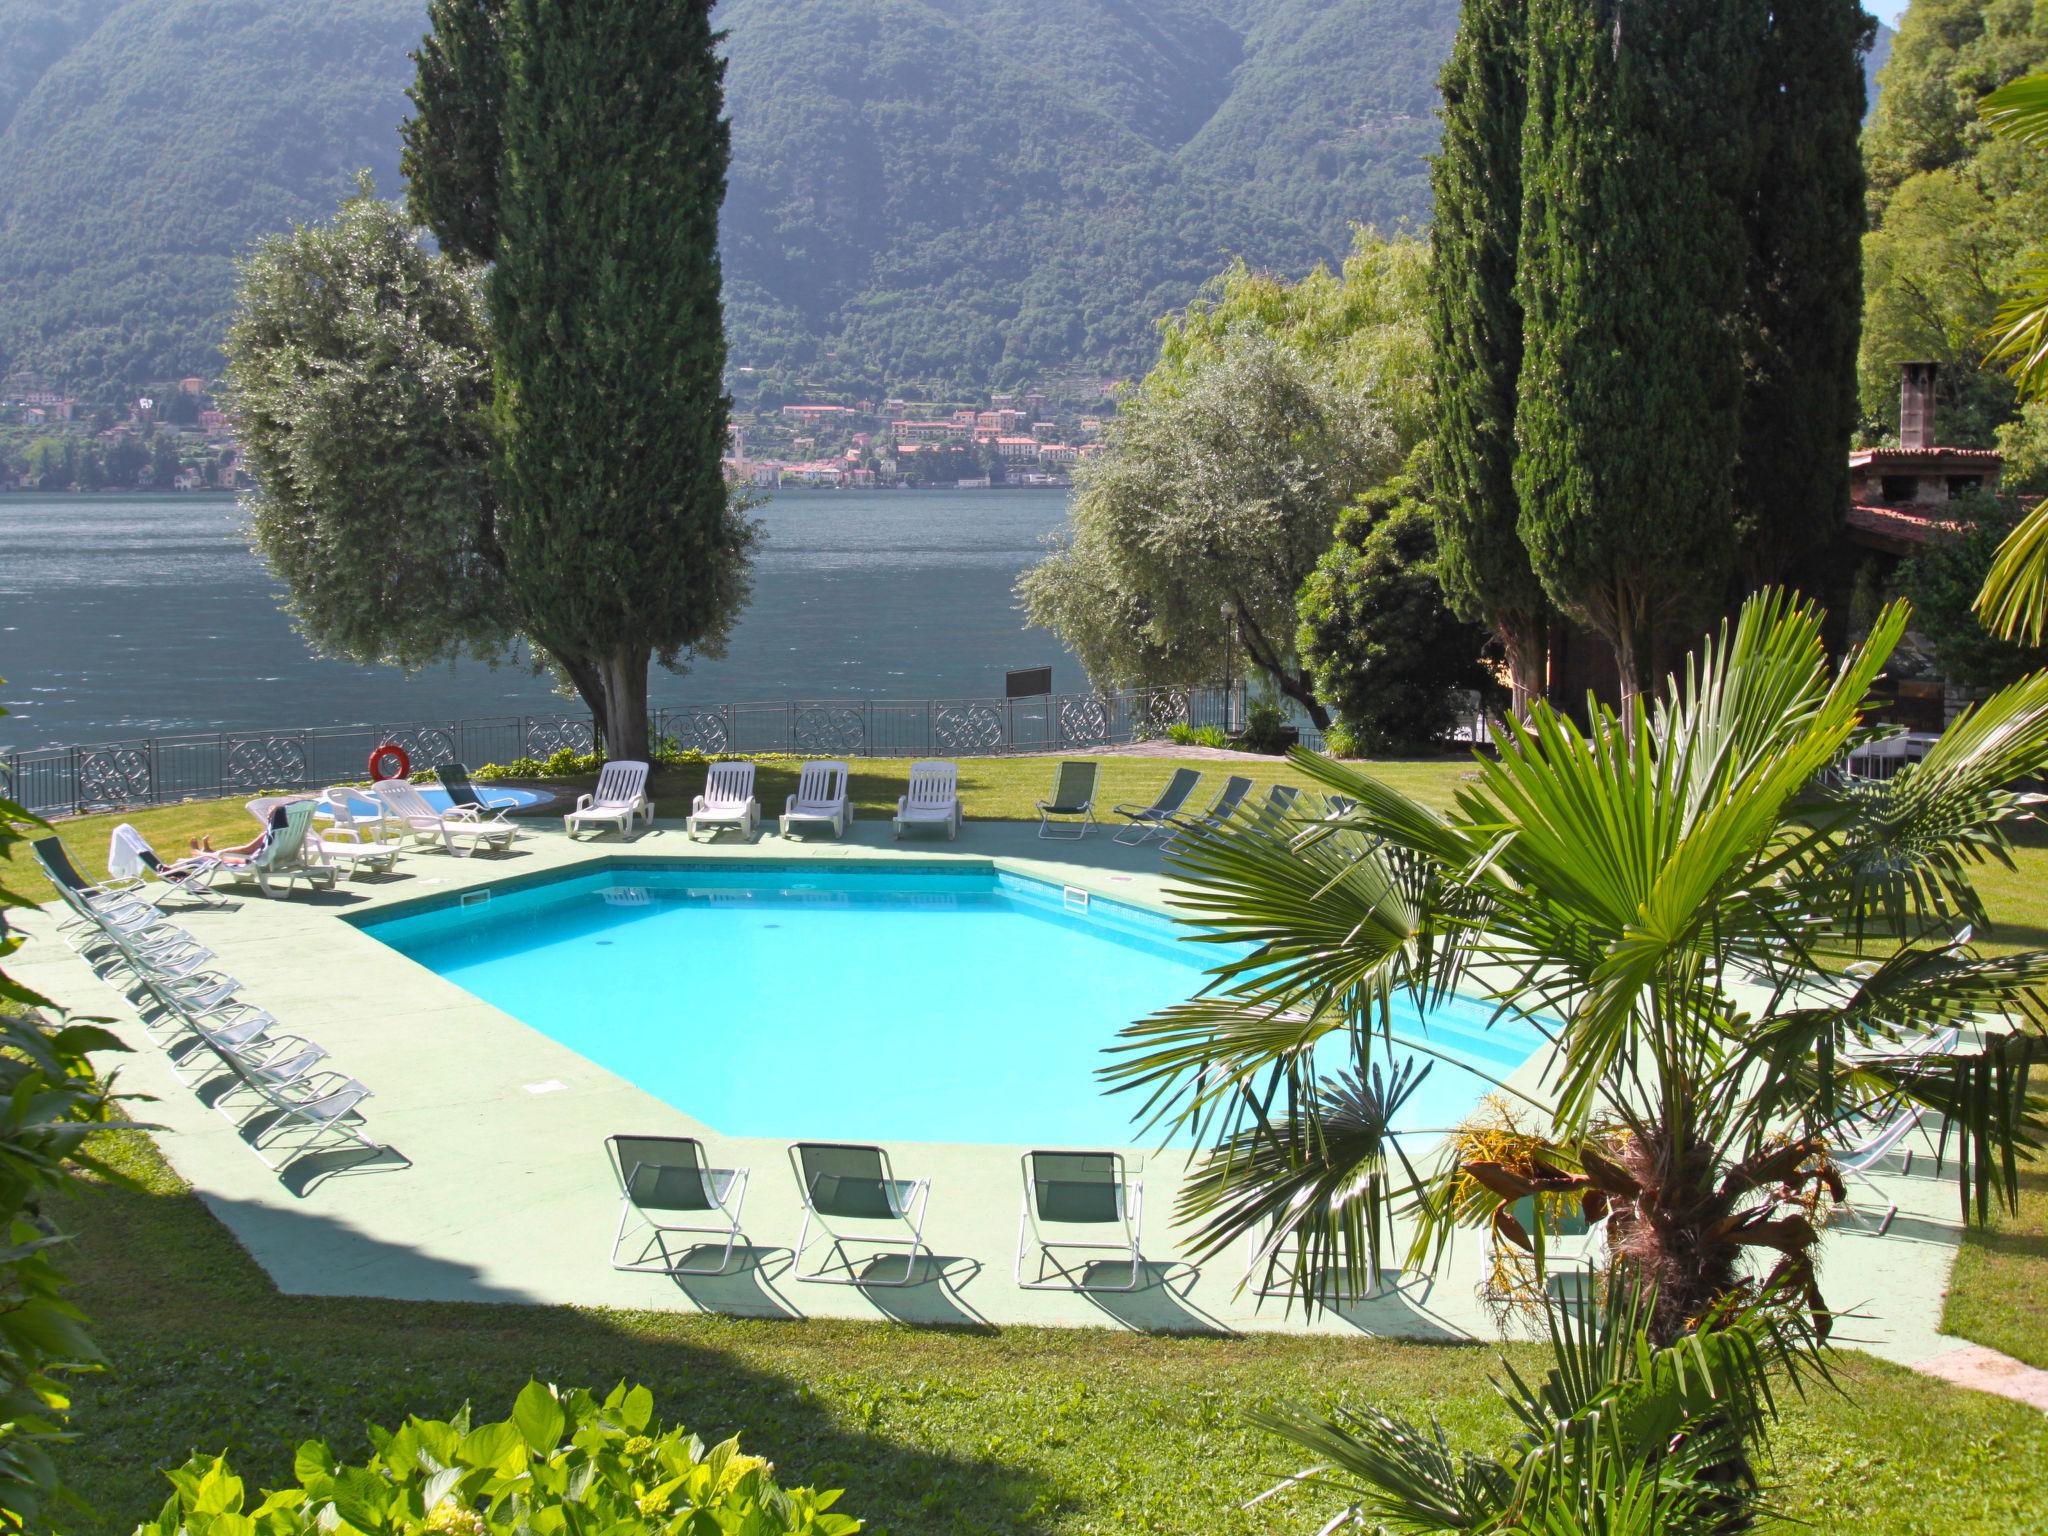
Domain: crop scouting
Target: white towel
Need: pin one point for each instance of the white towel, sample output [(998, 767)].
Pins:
[(124, 852)]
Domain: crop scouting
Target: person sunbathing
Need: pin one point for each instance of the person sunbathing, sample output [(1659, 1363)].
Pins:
[(278, 817)]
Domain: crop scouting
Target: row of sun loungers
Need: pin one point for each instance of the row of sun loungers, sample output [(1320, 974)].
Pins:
[(1070, 811), (857, 1214), (270, 1085)]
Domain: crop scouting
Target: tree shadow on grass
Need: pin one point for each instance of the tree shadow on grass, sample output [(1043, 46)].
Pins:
[(207, 1355)]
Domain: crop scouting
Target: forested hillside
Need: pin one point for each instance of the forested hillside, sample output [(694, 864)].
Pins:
[(924, 191)]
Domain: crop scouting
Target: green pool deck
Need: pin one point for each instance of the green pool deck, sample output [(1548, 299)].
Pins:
[(503, 1193)]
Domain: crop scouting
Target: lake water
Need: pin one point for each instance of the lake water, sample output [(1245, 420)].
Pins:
[(130, 616)]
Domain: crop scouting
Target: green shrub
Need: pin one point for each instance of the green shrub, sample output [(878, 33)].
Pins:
[(1181, 734), (51, 1100), (564, 1463), (1339, 742), (1265, 729)]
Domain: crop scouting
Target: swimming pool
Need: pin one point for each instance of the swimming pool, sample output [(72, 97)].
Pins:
[(360, 804), (891, 1004)]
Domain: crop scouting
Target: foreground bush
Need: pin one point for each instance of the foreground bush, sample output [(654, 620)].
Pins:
[(564, 1462)]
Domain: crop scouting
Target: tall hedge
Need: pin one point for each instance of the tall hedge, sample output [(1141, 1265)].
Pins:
[(1476, 326), (611, 411)]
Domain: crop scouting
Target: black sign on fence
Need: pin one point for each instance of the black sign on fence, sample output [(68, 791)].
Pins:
[(1028, 683)]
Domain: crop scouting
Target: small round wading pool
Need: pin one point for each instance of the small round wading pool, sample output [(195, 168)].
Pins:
[(362, 806), (886, 1004)]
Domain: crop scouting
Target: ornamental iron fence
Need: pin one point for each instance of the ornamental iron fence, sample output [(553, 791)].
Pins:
[(160, 770)]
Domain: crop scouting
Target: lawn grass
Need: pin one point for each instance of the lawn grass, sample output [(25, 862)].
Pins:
[(929, 1431), (1998, 1292), (991, 788)]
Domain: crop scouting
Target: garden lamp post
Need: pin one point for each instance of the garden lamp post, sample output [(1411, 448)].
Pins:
[(1229, 612)]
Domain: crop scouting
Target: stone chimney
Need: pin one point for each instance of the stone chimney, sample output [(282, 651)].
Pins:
[(1916, 405)]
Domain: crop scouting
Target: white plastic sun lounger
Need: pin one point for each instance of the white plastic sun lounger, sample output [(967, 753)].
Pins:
[(620, 796), (821, 799), (727, 804), (284, 857), (459, 835), (933, 799)]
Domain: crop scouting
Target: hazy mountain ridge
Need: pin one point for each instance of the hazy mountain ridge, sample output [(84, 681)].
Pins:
[(938, 191)]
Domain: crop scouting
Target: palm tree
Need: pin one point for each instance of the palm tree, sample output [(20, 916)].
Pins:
[(1612, 886)]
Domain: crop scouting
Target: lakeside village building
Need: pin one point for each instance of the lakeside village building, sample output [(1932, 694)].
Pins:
[(883, 449)]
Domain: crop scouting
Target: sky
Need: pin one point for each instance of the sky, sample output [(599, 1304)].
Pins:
[(1886, 11)]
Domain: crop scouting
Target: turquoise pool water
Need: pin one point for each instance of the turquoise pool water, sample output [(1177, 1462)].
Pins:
[(885, 1005)]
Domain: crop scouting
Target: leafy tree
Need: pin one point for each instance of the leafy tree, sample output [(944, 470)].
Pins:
[(1385, 652), (1218, 493), (621, 541), (1804, 292), (359, 375), (1943, 578), (1953, 209), (1610, 887), (1476, 321), (1637, 157), (1363, 326)]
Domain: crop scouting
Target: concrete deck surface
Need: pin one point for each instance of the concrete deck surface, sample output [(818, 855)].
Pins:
[(501, 1132)]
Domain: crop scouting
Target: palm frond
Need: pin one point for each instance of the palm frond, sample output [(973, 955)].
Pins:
[(1989, 1103), (2019, 109), (2014, 601), (2018, 333)]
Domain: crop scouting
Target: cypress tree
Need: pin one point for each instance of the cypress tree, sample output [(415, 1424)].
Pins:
[(1805, 301), (1637, 164), (453, 141), (1476, 324), (611, 412)]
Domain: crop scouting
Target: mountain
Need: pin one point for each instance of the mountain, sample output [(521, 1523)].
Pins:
[(925, 193)]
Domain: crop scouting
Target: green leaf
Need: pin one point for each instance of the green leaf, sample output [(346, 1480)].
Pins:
[(539, 1418)]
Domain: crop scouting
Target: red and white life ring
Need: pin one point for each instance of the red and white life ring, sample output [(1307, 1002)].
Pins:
[(383, 755)]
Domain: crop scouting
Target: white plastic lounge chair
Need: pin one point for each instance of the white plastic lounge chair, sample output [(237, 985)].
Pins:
[(821, 799), (621, 795), (129, 857), (1157, 819), (854, 1186), (284, 857), (352, 844), (1072, 803), (662, 1178), (460, 835), (1221, 809), (933, 799), (728, 802), (1078, 1192)]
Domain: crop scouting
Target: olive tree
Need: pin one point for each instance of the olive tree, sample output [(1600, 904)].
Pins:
[(1215, 498)]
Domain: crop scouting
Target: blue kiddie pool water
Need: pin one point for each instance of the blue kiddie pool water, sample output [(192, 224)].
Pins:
[(361, 806), (886, 1005)]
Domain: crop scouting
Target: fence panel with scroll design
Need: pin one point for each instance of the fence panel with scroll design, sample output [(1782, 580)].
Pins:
[(160, 770)]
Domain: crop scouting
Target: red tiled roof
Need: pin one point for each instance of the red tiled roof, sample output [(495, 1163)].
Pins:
[(1907, 457), (1904, 523)]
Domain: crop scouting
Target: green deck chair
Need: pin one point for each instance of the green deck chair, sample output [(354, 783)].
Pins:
[(845, 1184), (1073, 795), (666, 1183), (1081, 1192), (1157, 819)]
